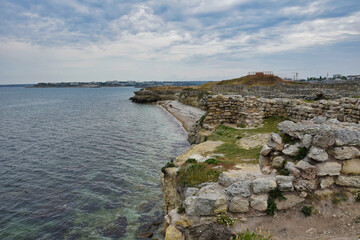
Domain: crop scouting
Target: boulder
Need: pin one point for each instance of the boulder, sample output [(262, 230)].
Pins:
[(189, 205), (240, 188), (343, 153), (345, 136), (228, 178), (351, 167), (285, 183), (263, 185), (307, 171), (265, 150), (324, 139), (306, 185), (239, 205), (318, 154), (210, 202), (328, 168), (172, 233), (275, 142), (326, 182), (291, 150), (190, 192), (277, 162), (290, 202), (348, 181), (259, 202)]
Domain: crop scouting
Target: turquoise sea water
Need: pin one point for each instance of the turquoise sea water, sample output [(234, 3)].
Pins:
[(82, 163)]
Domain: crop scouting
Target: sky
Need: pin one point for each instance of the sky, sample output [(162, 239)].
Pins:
[(176, 40)]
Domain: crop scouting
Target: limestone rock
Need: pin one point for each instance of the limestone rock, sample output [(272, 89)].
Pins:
[(326, 182), (210, 202), (343, 153), (275, 142), (290, 202), (291, 150), (307, 171), (190, 192), (239, 205), (345, 136), (328, 168), (285, 183), (228, 178), (240, 188), (263, 161), (265, 150), (306, 185), (262, 185), (173, 234), (189, 205), (351, 167), (277, 162), (318, 154), (259, 202), (306, 141), (324, 139), (292, 169), (348, 181)]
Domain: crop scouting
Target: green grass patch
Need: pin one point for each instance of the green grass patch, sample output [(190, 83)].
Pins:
[(195, 174), (191, 160), (212, 161), (167, 165), (225, 219), (249, 235), (338, 197), (301, 154), (273, 195), (234, 153), (181, 209), (287, 139), (307, 210)]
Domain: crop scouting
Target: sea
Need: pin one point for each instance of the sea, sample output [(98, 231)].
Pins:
[(83, 163)]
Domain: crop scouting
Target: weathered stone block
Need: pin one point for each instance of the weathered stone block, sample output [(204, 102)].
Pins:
[(348, 181), (241, 188), (318, 154), (344, 136), (190, 192), (343, 153), (259, 202), (351, 167), (324, 139), (306, 141), (277, 162), (306, 185), (263, 185), (328, 168), (307, 171), (265, 150), (326, 182), (290, 202), (285, 183), (239, 205), (291, 150)]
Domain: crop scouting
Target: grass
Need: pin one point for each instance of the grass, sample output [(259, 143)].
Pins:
[(273, 195), (167, 165), (338, 197), (232, 152), (307, 210), (212, 161), (194, 174), (225, 219), (256, 235), (301, 154)]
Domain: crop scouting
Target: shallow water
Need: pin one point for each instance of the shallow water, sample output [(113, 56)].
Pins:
[(81, 163)]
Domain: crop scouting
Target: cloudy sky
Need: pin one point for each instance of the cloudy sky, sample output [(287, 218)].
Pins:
[(93, 40)]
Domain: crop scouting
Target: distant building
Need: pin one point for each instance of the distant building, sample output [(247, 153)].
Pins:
[(353, 77), (265, 73), (335, 76)]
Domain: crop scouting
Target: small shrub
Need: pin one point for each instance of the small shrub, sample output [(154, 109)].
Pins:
[(307, 210), (301, 154), (357, 196), (201, 121), (212, 161), (181, 208), (287, 139), (256, 235), (238, 137), (168, 165), (284, 172), (241, 126), (225, 219), (273, 195), (191, 160)]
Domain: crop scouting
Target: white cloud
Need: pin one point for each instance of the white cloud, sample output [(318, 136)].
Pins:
[(312, 8)]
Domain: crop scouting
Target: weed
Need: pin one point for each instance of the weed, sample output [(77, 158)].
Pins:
[(212, 161), (273, 195), (181, 208), (241, 126), (201, 121), (301, 154), (191, 160), (307, 210), (196, 174), (284, 172), (168, 165), (225, 219), (256, 235), (338, 197), (357, 196), (287, 139), (238, 137)]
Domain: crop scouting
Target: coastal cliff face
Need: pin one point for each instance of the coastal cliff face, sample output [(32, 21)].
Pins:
[(151, 96)]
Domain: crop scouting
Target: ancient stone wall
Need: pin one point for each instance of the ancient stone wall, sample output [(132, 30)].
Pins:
[(311, 91), (250, 111), (192, 97)]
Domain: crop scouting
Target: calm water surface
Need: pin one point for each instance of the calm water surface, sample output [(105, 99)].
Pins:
[(82, 163)]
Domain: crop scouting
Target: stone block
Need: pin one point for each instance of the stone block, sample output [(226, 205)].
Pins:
[(240, 188), (285, 183), (263, 185), (306, 185), (307, 171), (328, 168), (306, 141), (324, 139), (348, 181), (326, 182), (277, 162), (318, 154), (239, 205), (351, 167), (290, 202), (343, 153), (265, 150), (259, 202), (345, 136), (291, 150)]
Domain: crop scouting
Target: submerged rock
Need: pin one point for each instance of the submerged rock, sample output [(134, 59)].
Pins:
[(116, 229)]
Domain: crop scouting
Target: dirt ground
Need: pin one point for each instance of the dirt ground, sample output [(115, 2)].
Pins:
[(329, 222)]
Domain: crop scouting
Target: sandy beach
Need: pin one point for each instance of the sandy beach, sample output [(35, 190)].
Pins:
[(185, 114)]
